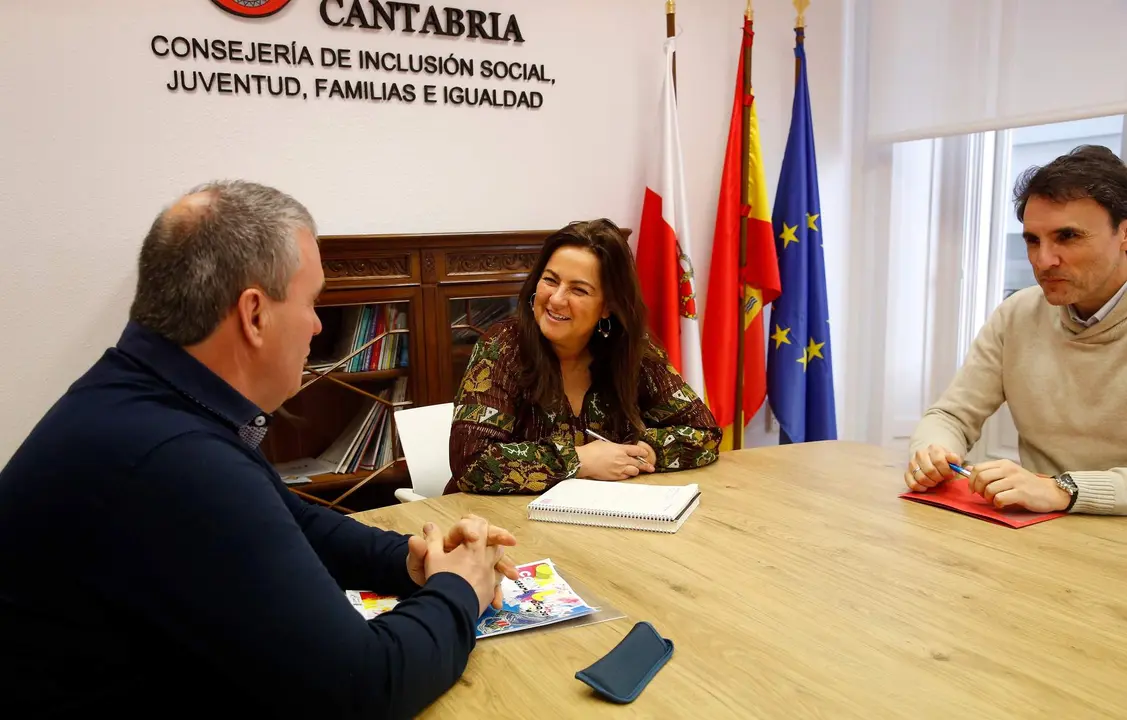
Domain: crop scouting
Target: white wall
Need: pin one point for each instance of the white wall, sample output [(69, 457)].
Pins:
[(92, 146)]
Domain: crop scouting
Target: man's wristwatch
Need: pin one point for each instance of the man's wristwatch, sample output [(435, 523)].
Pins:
[(1065, 482)]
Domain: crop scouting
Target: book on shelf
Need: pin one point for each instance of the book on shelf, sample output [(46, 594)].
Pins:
[(360, 324), (302, 470), (369, 441)]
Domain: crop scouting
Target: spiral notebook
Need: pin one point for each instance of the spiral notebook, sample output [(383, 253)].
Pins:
[(659, 508)]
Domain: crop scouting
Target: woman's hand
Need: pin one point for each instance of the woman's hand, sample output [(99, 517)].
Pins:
[(651, 454), (601, 460)]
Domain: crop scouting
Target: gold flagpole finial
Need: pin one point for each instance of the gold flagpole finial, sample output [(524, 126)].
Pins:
[(749, 14), (670, 7), (800, 7)]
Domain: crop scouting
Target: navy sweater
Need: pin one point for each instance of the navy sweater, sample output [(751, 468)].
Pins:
[(151, 558)]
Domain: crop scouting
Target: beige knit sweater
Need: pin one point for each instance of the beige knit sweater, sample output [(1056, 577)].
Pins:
[(1066, 386)]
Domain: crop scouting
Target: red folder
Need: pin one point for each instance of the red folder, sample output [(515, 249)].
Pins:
[(956, 495)]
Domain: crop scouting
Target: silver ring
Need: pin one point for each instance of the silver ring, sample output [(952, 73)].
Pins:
[(641, 460), (915, 469)]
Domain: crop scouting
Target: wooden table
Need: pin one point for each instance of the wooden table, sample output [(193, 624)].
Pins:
[(804, 587)]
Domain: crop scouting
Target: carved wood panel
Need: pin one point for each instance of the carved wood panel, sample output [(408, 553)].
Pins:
[(429, 274), (391, 267), (489, 263)]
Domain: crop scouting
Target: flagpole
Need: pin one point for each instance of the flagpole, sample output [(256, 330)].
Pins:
[(670, 31), (745, 202), (799, 32)]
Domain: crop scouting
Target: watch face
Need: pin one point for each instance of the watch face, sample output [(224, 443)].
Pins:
[(252, 8)]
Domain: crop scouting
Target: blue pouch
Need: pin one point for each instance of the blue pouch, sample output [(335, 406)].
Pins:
[(622, 674)]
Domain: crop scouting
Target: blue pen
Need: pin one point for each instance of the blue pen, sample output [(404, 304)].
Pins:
[(961, 470)]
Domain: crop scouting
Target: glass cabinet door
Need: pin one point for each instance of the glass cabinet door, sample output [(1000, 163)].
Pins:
[(470, 318)]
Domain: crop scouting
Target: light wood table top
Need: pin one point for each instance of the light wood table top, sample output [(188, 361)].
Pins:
[(804, 587)]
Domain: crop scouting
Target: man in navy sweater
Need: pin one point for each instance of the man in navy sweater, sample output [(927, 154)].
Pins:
[(150, 557)]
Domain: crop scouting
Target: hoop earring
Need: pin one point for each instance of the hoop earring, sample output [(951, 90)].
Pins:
[(604, 331), (532, 301)]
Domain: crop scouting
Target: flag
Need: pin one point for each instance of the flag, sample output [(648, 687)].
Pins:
[(799, 372), (732, 292), (663, 251)]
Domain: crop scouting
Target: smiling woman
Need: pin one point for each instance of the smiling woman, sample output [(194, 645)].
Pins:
[(574, 386)]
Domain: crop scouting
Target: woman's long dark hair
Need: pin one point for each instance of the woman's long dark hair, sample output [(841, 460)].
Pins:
[(617, 359)]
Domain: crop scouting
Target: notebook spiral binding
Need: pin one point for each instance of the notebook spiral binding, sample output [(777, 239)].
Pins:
[(622, 524), (606, 513)]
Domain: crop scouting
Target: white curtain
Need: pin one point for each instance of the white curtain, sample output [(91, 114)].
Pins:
[(945, 67)]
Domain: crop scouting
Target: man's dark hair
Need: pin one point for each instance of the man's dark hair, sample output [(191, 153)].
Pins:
[(1089, 171)]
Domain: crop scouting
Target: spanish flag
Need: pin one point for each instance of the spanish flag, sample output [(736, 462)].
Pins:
[(733, 292)]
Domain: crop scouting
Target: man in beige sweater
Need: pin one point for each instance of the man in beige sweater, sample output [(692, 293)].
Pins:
[(1056, 353)]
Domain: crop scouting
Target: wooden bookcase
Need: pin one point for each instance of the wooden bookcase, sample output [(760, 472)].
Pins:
[(433, 280)]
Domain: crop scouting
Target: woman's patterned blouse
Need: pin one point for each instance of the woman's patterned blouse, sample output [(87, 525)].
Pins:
[(500, 443)]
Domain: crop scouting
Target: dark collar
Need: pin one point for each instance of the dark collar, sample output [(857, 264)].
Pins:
[(189, 376)]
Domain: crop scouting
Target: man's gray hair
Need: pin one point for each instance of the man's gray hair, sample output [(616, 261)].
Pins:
[(202, 253)]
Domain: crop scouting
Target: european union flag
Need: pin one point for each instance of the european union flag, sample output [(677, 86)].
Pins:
[(800, 382)]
